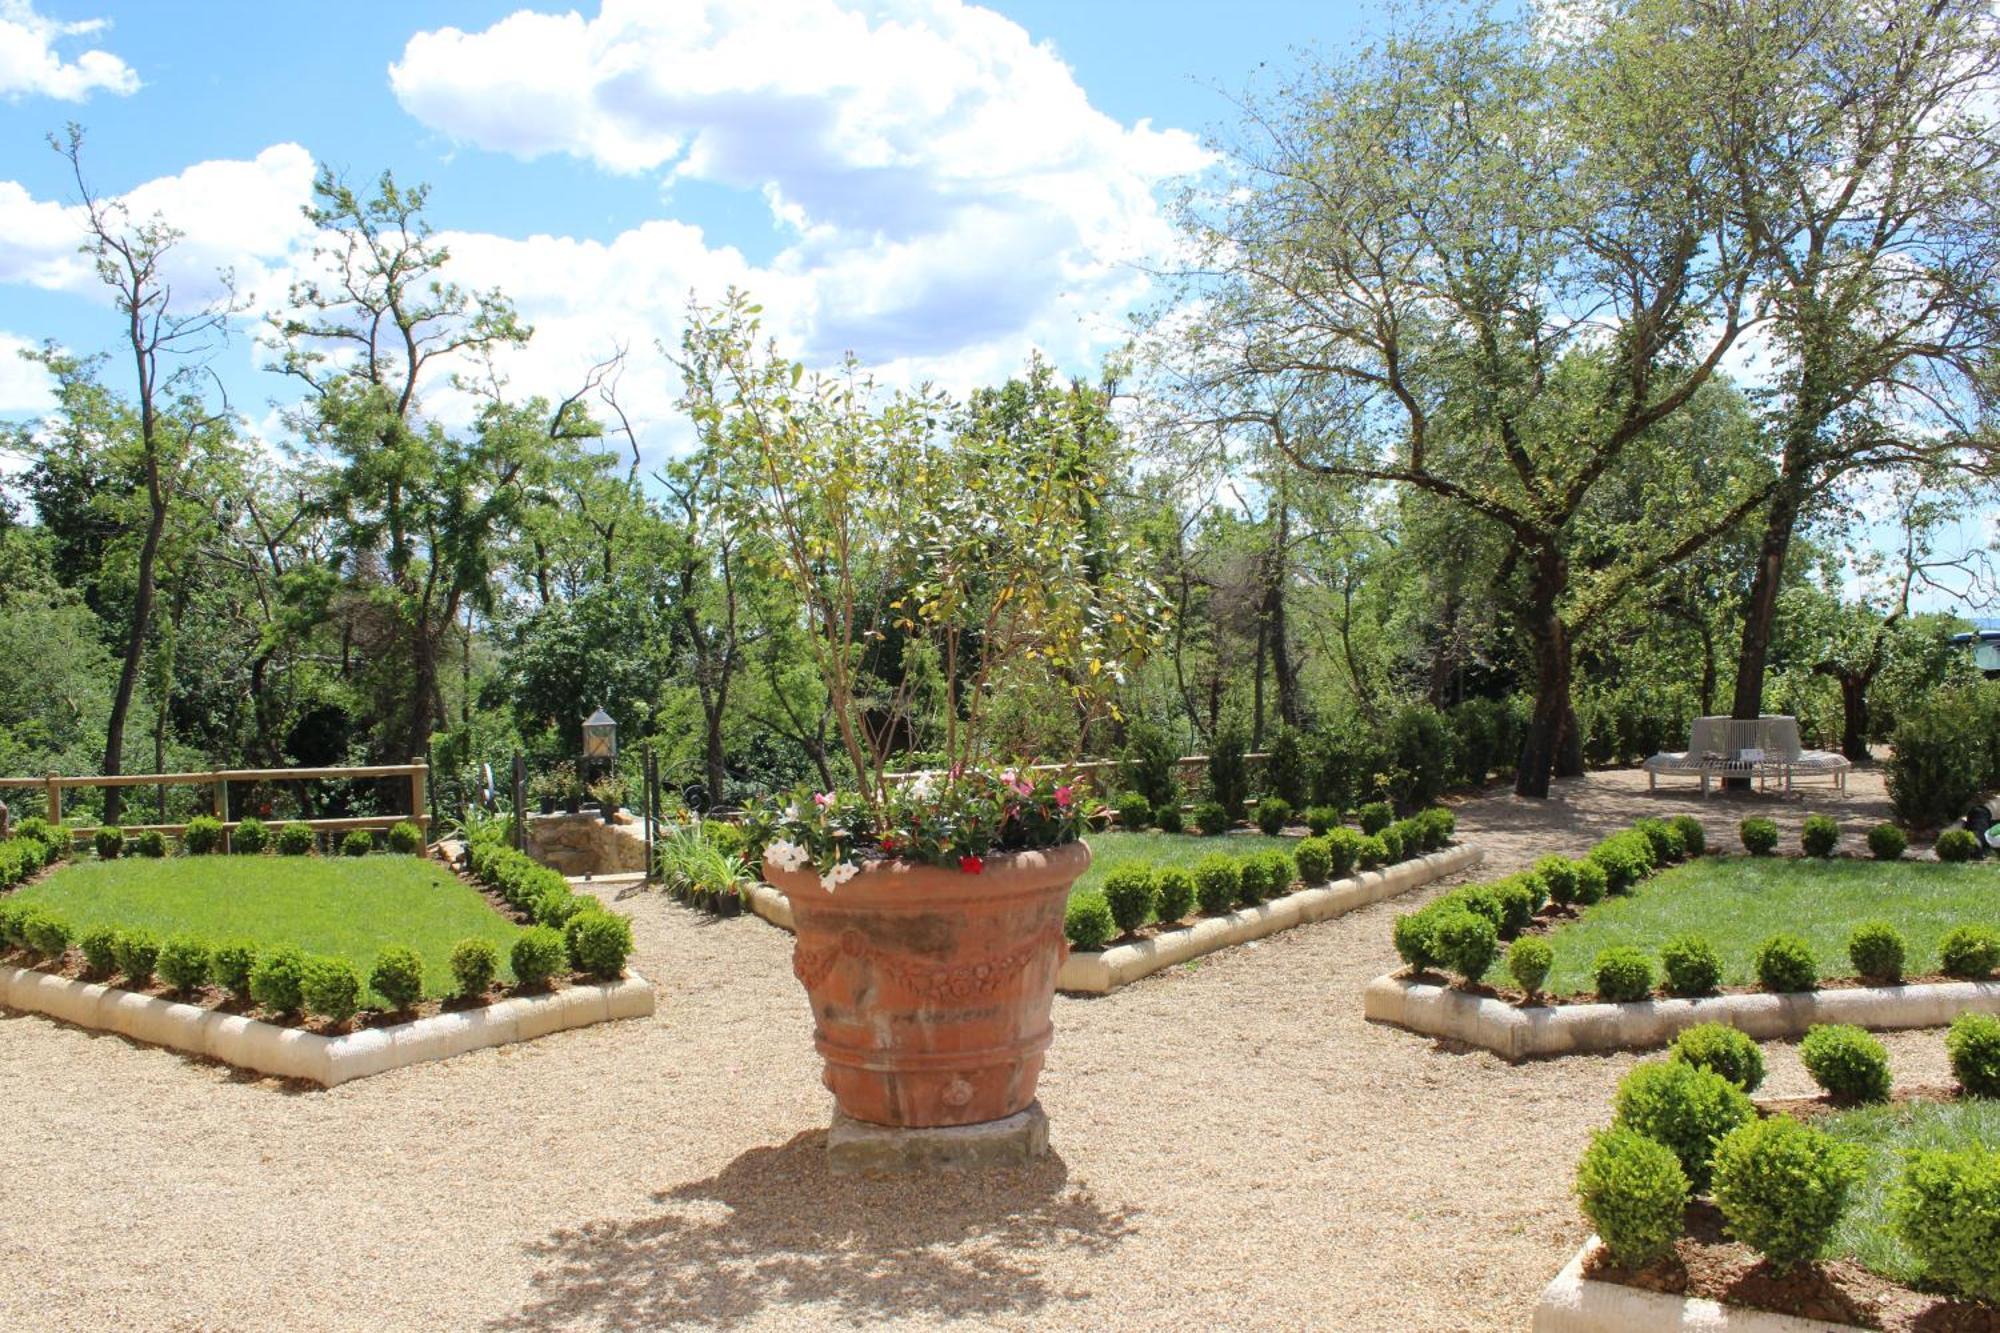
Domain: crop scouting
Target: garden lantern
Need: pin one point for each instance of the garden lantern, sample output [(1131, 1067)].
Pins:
[(600, 739)]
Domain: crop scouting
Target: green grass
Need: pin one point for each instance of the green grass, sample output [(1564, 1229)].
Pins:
[(1737, 902), (1866, 1232), (345, 907), (1111, 849)]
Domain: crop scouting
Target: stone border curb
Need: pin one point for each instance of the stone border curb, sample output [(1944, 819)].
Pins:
[(1573, 1303), (284, 1052), (1566, 1029), (1102, 972)]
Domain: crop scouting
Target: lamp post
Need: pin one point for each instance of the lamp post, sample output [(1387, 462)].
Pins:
[(600, 750)]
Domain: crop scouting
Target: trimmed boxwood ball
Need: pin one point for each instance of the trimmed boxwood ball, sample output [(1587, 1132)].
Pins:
[(1876, 949), (1956, 844), (137, 951), (1685, 1108), (1846, 1062), (230, 964), (1374, 852), (539, 954), (358, 842), (599, 943), (1782, 1186), (1314, 859), (398, 977), (1210, 819), (1759, 835), (99, 956), (1391, 839), (1591, 883), (1973, 1043), (1518, 897), (183, 962), (251, 837), (47, 935), (1215, 880), (1415, 940), (152, 843), (277, 980), (1168, 816), (1374, 817), (1626, 858), (1466, 943), (1279, 871), (1274, 815), (1721, 1049), (1662, 838), (1820, 835), (1558, 876), (406, 839), (1947, 1211), (1969, 952), (331, 989), (1322, 819), (1622, 973), (109, 841), (1634, 1192), (1690, 966), (1344, 844), (1253, 881), (474, 964), (1174, 894), (1886, 842), (1785, 963), (295, 840), (1694, 838), (1133, 810), (1529, 961), (1129, 891), (202, 836)]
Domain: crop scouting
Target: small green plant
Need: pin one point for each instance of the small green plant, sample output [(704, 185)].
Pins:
[(1392, 840), (1274, 815), (398, 977), (1314, 858), (1322, 819), (1529, 961), (1876, 949), (1211, 820), (1694, 838), (295, 840), (1129, 891), (539, 954), (1168, 816), (1215, 880), (137, 951), (1782, 1186), (1134, 811), (1886, 842), (100, 957), (1973, 1045), (1969, 952), (183, 963), (277, 980), (151, 844), (1785, 963), (229, 967), (599, 943), (406, 839), (1663, 838), (1634, 1192), (1280, 870), (1088, 923), (1721, 1049), (1759, 835), (202, 836), (1175, 894), (1558, 876), (1374, 817), (1685, 1108), (1947, 1210), (1846, 1062), (1374, 852), (1622, 973), (109, 841), (251, 837), (358, 842), (46, 934), (1690, 965), (1591, 883), (1415, 943), (1344, 844), (330, 989), (474, 964), (1466, 943), (1625, 858), (1253, 881), (1956, 845), (1820, 835)]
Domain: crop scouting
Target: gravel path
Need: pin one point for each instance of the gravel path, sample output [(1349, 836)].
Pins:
[(1233, 1146)]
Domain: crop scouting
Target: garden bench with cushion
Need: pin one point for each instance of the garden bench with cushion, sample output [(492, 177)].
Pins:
[(1765, 749)]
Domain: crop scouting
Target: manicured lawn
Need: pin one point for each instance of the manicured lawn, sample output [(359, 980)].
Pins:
[(346, 907), (1737, 902), (1866, 1232), (1157, 849)]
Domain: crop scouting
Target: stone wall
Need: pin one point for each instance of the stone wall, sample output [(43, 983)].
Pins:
[(586, 845)]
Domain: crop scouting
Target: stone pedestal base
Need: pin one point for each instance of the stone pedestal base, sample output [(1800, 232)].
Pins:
[(854, 1147)]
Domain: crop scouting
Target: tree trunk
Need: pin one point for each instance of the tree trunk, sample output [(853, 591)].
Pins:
[(1854, 715), (128, 670), (1542, 749), (1760, 610)]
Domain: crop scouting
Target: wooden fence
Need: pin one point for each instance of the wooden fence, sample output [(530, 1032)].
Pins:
[(418, 773), (1188, 766)]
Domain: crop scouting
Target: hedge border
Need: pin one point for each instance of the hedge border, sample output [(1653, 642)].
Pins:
[(1573, 1303), (1516, 1033), (294, 1053)]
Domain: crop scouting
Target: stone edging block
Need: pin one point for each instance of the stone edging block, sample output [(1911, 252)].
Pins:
[(1100, 972), (1573, 1303), (284, 1052), (1565, 1029)]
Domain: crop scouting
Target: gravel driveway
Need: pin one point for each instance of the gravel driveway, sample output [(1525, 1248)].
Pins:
[(1233, 1146)]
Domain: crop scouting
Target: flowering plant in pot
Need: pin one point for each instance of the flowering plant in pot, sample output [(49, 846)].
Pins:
[(974, 538)]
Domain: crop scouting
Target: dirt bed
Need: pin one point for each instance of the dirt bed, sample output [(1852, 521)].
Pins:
[(1233, 1146)]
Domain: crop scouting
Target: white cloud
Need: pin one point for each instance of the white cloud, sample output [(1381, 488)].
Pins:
[(31, 66), (25, 388)]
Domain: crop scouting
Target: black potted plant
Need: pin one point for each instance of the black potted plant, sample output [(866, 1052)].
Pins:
[(609, 793), (550, 786)]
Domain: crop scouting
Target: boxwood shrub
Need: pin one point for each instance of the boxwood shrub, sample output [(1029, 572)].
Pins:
[(1625, 858), (1314, 860), (474, 964), (406, 839), (1322, 819), (1280, 870), (1759, 835), (1662, 838), (1415, 940), (1466, 943), (1634, 1192), (1529, 961), (398, 977), (1175, 894), (1253, 881), (1876, 949), (1215, 881), (1785, 963), (202, 836), (1129, 891), (330, 988), (277, 980), (1210, 819), (295, 840), (1782, 1186), (1973, 1043), (1274, 815), (1694, 838), (1374, 852), (358, 842), (1690, 965), (1168, 816), (100, 958), (1947, 1211), (1846, 1062), (183, 962), (1886, 842), (1721, 1049), (151, 844), (229, 966), (1392, 839), (1622, 973), (1591, 883), (251, 837), (1956, 845), (599, 943), (1685, 1108), (1820, 836), (540, 953), (137, 952), (1133, 810), (1344, 845), (1969, 952), (109, 841), (1374, 817), (1558, 876)]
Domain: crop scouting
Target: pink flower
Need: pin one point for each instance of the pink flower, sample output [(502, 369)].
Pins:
[(1063, 798), (823, 799), (971, 865), (888, 842)]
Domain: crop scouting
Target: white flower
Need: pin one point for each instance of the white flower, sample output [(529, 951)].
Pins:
[(925, 784), (838, 876), (786, 855)]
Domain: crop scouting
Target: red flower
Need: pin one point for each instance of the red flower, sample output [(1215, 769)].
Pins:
[(1063, 797), (889, 842), (971, 865)]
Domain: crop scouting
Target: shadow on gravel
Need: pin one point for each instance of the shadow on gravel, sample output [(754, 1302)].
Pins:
[(775, 1229)]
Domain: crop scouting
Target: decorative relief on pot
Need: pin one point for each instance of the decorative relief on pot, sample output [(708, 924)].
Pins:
[(956, 981)]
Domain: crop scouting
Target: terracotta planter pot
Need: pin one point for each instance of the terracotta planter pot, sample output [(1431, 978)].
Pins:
[(930, 988)]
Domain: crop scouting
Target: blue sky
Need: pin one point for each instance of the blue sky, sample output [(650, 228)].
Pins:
[(938, 187)]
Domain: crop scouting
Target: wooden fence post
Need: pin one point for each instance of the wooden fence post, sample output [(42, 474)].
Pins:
[(221, 797), (418, 814), (55, 801), (520, 795)]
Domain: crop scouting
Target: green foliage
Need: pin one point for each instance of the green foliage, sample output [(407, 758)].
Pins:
[(1947, 1210), (1344, 845), (1886, 842), (99, 946), (1088, 922), (1663, 838), (1721, 1049), (1253, 881), (1374, 852), (1759, 835), (1274, 815), (330, 988), (183, 962), (1694, 838), (406, 839), (1168, 816), (540, 953), (152, 843), (1175, 894), (1314, 858), (1684, 1108), (398, 977), (109, 841), (599, 943), (251, 837), (1973, 1046), (1876, 950), (277, 979), (1280, 870), (1211, 820), (1969, 952), (1150, 764), (1215, 883), (1375, 816), (1466, 942), (1392, 839), (1846, 1062), (1820, 835), (295, 840), (230, 965), (1416, 941), (1322, 819), (203, 835), (1938, 760), (1421, 755), (1229, 771), (1130, 892), (1592, 883), (1956, 845), (1623, 974), (1785, 964), (1558, 877), (358, 842), (137, 952), (1634, 1192), (1625, 858), (1134, 811), (1528, 962), (1285, 770), (1690, 966), (1782, 1186), (47, 935), (474, 964)]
